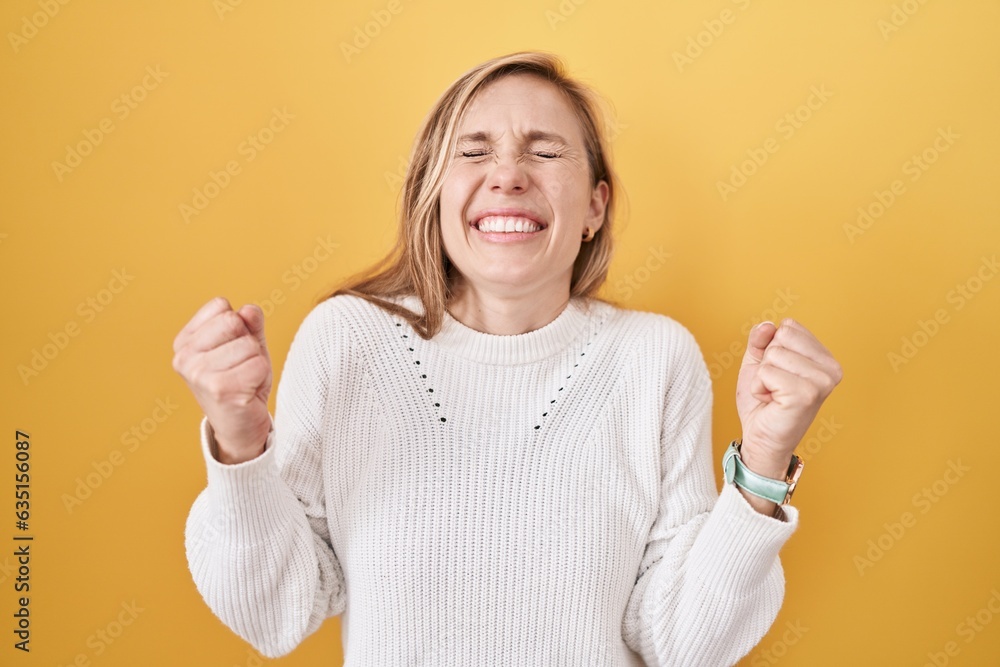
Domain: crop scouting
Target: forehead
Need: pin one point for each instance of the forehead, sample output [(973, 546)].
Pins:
[(526, 105)]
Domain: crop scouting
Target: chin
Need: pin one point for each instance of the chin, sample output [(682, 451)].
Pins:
[(506, 277)]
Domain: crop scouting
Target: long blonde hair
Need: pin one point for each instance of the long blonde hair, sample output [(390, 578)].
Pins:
[(417, 264)]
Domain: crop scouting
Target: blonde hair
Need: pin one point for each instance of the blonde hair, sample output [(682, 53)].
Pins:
[(417, 264)]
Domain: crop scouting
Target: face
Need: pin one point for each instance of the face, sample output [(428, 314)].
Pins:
[(517, 195)]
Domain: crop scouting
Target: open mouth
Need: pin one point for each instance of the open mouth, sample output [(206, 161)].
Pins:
[(507, 224)]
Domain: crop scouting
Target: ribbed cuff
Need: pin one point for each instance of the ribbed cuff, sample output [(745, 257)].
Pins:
[(738, 545), (249, 496)]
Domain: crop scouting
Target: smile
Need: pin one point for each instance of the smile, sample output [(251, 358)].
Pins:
[(507, 224)]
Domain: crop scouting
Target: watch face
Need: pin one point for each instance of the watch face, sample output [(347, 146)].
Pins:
[(793, 477)]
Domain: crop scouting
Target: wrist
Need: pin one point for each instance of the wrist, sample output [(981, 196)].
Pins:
[(765, 465), (762, 505), (225, 453), (764, 480)]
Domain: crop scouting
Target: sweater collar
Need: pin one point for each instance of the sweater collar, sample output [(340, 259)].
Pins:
[(541, 343)]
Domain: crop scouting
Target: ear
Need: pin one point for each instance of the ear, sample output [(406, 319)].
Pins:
[(598, 205)]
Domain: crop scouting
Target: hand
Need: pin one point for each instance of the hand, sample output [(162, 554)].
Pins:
[(785, 376), (223, 357)]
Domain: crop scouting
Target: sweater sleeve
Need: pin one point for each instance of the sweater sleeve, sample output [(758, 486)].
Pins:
[(710, 583), (257, 541)]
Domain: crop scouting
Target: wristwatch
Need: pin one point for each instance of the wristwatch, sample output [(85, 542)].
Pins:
[(775, 490)]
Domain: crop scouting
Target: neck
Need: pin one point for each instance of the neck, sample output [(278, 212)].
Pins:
[(505, 314)]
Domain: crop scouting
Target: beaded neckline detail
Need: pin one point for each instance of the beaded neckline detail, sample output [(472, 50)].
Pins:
[(407, 334), (570, 334)]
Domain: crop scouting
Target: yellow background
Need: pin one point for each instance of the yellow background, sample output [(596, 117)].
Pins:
[(332, 172)]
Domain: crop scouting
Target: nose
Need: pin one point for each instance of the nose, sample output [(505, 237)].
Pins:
[(507, 175)]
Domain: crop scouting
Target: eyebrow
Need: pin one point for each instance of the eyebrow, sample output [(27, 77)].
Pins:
[(532, 135)]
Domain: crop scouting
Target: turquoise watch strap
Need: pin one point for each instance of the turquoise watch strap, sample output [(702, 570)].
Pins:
[(777, 491)]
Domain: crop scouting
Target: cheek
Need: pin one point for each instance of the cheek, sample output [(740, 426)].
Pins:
[(455, 195), (568, 188), (451, 208)]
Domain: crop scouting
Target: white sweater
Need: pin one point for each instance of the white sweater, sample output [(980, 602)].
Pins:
[(544, 499)]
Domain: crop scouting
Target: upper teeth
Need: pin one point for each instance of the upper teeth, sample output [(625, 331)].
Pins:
[(497, 223)]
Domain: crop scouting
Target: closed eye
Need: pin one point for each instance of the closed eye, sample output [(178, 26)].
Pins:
[(482, 152)]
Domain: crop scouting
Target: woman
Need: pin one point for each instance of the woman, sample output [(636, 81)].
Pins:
[(475, 461)]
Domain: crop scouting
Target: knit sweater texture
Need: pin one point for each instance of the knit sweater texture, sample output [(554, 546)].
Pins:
[(546, 498)]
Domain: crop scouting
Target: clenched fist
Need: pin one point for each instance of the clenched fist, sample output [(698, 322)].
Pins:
[(223, 357), (785, 377)]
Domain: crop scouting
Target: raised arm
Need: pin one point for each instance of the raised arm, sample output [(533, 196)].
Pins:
[(256, 538), (710, 583)]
